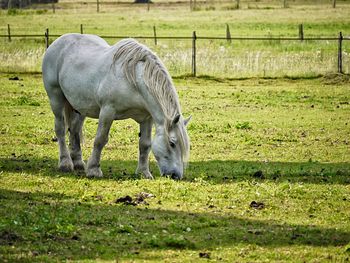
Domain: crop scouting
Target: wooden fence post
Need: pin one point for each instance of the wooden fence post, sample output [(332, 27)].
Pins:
[(228, 33), (194, 69), (301, 32), (47, 38), (98, 6), (193, 5), (53, 8), (334, 3), (340, 56), (237, 4), (81, 29), (155, 35), (285, 5), (9, 32), (9, 4)]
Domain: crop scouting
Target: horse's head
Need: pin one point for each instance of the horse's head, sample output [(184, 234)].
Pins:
[(171, 146)]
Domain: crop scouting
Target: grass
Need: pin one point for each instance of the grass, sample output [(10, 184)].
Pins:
[(269, 174), (268, 179)]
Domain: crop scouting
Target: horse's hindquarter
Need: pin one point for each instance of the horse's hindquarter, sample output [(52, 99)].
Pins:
[(81, 68)]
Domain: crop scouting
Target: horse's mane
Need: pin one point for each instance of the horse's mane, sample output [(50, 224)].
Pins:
[(157, 79)]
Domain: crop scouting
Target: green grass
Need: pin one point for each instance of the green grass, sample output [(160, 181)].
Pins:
[(269, 173), (280, 142)]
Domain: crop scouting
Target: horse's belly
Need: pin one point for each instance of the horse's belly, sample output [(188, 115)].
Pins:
[(82, 100), (92, 112), (88, 108), (87, 103), (139, 115)]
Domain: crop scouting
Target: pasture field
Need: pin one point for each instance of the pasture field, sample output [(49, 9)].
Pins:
[(268, 179)]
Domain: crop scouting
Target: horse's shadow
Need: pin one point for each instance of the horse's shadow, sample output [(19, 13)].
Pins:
[(115, 231), (215, 171)]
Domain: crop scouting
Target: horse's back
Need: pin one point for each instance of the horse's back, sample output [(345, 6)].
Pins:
[(73, 49)]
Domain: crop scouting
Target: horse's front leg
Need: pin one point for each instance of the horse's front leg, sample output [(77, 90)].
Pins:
[(145, 143), (104, 124)]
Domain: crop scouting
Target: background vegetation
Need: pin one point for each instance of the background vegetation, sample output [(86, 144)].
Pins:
[(215, 57)]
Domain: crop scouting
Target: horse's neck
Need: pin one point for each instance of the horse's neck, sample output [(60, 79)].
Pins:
[(152, 105)]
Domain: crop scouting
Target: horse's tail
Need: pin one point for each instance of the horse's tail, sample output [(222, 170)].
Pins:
[(69, 114)]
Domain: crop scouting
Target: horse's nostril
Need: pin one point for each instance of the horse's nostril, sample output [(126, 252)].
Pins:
[(175, 176)]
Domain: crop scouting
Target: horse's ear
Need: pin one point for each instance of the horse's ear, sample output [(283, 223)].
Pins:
[(176, 119), (186, 121)]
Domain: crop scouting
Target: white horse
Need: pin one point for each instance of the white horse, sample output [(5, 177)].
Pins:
[(86, 77)]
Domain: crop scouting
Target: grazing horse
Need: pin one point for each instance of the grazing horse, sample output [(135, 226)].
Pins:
[(85, 77)]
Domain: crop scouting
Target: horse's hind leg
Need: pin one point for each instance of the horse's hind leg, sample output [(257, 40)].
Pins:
[(59, 104), (65, 162), (75, 134)]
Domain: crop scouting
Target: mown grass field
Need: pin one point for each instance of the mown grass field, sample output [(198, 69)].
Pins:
[(269, 174), (268, 179)]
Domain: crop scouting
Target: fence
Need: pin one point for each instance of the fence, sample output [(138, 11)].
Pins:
[(220, 56)]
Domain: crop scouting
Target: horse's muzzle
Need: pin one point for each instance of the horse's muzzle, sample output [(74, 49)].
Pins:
[(173, 175), (176, 176)]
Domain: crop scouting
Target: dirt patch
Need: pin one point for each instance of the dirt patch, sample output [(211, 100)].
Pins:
[(126, 200), (204, 255), (336, 78), (257, 205), (258, 174), (16, 78), (137, 200), (8, 238)]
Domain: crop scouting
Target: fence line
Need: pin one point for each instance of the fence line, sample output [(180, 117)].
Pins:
[(195, 38), (185, 37)]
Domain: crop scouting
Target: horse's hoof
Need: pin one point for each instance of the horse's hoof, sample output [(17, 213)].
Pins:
[(66, 166), (146, 174), (94, 172), (79, 165)]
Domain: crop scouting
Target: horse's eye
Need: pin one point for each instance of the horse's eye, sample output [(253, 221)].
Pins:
[(172, 144)]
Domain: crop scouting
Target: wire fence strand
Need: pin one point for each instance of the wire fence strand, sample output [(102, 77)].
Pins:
[(217, 56)]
